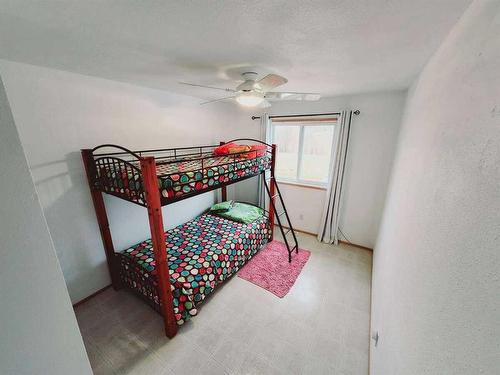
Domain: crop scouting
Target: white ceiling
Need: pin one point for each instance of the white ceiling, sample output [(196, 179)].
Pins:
[(331, 47)]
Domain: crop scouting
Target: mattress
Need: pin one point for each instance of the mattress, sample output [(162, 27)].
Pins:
[(202, 253), (188, 176)]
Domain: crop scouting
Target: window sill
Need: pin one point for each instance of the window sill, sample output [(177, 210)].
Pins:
[(301, 185)]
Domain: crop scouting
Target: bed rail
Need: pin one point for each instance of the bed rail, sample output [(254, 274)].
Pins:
[(120, 178), (182, 172), (124, 150), (250, 139)]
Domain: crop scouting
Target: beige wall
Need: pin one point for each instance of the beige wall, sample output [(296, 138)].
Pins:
[(38, 330), (437, 261)]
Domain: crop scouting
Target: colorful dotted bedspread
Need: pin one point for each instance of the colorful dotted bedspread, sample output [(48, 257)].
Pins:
[(187, 176), (202, 253)]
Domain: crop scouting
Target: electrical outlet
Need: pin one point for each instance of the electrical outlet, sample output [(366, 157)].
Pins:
[(301, 217)]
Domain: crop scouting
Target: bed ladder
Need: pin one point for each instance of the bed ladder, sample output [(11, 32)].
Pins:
[(273, 191)]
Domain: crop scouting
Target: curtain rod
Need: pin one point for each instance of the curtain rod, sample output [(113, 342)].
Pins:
[(356, 112)]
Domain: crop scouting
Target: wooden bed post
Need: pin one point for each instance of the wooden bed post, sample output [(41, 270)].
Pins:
[(102, 218), (272, 190), (150, 180), (223, 189)]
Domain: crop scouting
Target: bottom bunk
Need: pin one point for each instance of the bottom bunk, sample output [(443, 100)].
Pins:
[(202, 253)]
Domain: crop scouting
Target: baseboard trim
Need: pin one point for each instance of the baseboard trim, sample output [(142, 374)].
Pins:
[(342, 242), (356, 245), (300, 230), (91, 296)]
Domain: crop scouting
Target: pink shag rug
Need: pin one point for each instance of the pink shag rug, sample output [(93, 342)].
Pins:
[(270, 269)]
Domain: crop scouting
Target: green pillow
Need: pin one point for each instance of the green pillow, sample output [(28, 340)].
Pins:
[(242, 213), (222, 206)]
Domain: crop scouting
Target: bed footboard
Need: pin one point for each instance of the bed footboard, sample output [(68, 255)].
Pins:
[(136, 280)]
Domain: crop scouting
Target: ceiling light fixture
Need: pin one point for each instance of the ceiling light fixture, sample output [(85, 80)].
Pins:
[(250, 99), (253, 93)]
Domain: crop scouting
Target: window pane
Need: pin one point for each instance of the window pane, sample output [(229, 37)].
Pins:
[(317, 149), (287, 139)]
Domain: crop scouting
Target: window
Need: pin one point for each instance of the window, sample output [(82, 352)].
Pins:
[(304, 150)]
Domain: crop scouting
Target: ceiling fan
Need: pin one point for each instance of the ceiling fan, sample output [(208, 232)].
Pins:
[(253, 93)]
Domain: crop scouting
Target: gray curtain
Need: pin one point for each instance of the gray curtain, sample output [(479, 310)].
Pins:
[(329, 228), (265, 136)]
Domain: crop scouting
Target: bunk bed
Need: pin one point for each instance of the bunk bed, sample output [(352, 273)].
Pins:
[(175, 270)]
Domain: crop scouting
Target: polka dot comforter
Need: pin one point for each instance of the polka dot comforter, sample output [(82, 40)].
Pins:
[(202, 253), (184, 177), (177, 179)]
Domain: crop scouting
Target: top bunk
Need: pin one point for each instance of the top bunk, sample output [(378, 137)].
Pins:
[(181, 172)]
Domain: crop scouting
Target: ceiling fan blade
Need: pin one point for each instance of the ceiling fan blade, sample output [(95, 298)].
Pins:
[(264, 104), (217, 100), (206, 87), (270, 81), (307, 96)]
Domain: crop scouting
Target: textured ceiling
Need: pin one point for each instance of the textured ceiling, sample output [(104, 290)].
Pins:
[(331, 47)]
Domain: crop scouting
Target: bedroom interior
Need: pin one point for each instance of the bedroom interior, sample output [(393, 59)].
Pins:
[(250, 188)]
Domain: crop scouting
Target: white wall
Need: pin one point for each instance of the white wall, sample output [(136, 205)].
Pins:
[(58, 113), (436, 268), (38, 329), (371, 151), (304, 206)]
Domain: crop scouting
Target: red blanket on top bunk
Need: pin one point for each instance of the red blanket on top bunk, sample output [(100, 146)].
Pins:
[(243, 151)]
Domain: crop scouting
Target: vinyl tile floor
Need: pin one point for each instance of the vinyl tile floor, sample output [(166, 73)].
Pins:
[(320, 327)]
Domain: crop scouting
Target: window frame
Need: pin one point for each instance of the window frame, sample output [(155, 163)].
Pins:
[(309, 122)]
